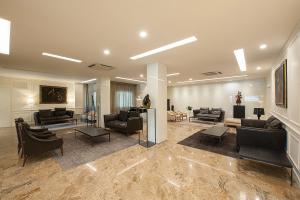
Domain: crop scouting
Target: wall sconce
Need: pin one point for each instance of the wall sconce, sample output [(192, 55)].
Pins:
[(30, 100)]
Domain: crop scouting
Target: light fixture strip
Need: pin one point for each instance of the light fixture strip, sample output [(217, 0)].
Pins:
[(129, 79), (88, 81), (61, 57), (212, 79), (240, 57), (174, 74), (166, 47), (4, 36)]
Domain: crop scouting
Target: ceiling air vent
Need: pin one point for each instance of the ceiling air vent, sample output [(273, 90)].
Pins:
[(98, 66), (211, 73)]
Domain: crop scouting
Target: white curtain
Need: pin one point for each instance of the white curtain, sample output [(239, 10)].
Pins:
[(122, 96)]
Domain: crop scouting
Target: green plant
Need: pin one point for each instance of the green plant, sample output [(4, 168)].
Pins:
[(189, 108)]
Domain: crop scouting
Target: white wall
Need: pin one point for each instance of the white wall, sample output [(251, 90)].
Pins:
[(219, 95), (290, 116), (25, 96)]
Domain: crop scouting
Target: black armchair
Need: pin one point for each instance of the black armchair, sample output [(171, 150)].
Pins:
[(125, 122), (32, 145)]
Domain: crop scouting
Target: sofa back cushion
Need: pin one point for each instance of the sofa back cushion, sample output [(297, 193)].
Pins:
[(123, 116), (60, 111), (275, 124), (133, 114), (45, 113), (204, 110), (196, 112)]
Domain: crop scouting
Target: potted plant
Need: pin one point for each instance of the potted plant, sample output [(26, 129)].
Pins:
[(238, 98), (189, 108)]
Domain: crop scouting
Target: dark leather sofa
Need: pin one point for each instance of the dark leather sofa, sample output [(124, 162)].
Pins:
[(36, 141), (263, 141), (124, 122), (58, 115), (215, 114)]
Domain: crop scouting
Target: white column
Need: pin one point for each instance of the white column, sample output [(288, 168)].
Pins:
[(157, 90), (103, 98)]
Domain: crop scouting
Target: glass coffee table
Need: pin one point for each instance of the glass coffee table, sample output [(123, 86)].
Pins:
[(215, 131)]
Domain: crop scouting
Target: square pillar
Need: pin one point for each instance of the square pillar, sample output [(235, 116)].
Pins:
[(103, 98), (157, 90)]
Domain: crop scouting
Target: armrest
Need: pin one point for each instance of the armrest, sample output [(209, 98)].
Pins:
[(44, 136), (253, 123), (70, 113), (38, 130), (135, 123), (264, 138)]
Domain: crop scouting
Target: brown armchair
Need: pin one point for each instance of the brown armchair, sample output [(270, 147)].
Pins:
[(32, 145)]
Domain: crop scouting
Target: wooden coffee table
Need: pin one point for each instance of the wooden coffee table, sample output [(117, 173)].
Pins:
[(215, 131), (92, 132)]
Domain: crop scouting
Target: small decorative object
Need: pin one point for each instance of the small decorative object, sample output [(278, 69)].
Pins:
[(238, 98), (281, 85), (147, 101), (259, 112)]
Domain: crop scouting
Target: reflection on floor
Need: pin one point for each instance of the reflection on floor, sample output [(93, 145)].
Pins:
[(165, 171)]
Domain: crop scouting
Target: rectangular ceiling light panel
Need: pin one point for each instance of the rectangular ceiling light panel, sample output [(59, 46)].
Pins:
[(129, 79), (4, 36), (61, 57), (166, 47), (240, 58)]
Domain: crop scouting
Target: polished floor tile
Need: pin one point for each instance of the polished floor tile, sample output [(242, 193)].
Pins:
[(164, 171)]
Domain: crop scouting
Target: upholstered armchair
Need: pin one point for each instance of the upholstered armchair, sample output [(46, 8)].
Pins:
[(32, 145)]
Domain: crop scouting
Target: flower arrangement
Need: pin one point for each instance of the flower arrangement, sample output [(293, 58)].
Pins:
[(238, 98)]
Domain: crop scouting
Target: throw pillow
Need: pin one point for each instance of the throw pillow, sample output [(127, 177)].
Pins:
[(134, 114), (268, 121), (123, 116), (215, 112), (45, 113), (275, 124)]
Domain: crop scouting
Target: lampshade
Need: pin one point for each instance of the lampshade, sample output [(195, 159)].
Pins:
[(259, 111)]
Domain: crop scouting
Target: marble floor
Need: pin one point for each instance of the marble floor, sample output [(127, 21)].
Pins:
[(164, 171)]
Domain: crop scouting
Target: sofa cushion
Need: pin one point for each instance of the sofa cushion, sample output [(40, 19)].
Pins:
[(268, 121), (45, 113), (133, 114), (216, 112), (216, 109), (123, 116), (60, 111), (275, 124), (117, 124), (204, 110)]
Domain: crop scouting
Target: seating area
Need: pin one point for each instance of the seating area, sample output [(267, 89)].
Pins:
[(158, 100), (206, 114)]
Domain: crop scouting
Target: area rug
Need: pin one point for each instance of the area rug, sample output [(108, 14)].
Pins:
[(226, 147), (81, 150)]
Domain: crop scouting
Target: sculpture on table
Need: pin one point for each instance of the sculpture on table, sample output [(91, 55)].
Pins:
[(238, 98), (147, 101)]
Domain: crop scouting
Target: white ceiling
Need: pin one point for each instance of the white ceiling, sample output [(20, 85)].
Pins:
[(83, 29)]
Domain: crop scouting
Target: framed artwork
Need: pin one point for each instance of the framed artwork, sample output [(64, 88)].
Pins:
[(53, 95), (281, 85)]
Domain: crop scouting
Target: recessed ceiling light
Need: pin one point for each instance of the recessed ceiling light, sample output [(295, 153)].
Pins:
[(212, 79), (263, 46), (143, 34), (166, 47), (142, 75), (4, 36), (61, 57), (258, 68), (130, 79), (106, 52), (88, 81), (169, 81), (190, 79), (240, 57), (174, 74)]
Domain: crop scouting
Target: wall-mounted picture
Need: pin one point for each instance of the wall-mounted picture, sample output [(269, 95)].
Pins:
[(281, 85), (53, 95)]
